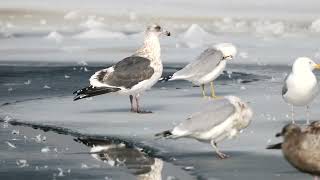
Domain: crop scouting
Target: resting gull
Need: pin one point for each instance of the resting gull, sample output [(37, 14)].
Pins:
[(132, 75), (300, 86), (300, 147), (222, 118), (207, 67)]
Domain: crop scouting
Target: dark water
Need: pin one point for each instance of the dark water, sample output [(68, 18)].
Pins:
[(19, 83), (31, 151)]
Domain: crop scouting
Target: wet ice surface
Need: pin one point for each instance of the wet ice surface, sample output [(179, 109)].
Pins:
[(171, 103), (42, 152)]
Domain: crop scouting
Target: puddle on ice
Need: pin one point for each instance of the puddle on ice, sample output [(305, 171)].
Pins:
[(70, 155)]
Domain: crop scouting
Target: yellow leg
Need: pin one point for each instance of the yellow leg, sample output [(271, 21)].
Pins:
[(203, 91), (213, 95)]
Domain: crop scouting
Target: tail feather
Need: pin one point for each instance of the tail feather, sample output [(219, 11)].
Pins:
[(165, 134), (92, 91), (165, 78)]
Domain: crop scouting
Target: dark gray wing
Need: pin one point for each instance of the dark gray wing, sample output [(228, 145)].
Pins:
[(204, 64), (213, 114), (128, 72), (285, 87)]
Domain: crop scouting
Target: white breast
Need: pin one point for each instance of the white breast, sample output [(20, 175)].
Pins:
[(301, 89)]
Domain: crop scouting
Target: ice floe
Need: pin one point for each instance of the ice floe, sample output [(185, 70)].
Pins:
[(195, 36), (99, 34), (315, 26), (55, 36)]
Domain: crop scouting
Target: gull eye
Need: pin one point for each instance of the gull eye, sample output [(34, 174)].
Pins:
[(158, 28)]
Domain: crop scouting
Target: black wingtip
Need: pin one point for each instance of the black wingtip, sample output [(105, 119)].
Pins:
[(163, 134), (165, 79), (275, 146)]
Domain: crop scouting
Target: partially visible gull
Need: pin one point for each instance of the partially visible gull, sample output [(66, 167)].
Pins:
[(132, 75), (300, 86), (207, 67), (300, 147), (222, 118)]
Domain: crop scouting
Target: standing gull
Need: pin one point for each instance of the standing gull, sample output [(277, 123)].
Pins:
[(301, 147), (300, 86), (207, 67), (132, 75), (221, 119)]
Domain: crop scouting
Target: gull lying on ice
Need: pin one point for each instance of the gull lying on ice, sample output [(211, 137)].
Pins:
[(300, 86), (207, 67), (221, 119), (301, 147), (132, 75)]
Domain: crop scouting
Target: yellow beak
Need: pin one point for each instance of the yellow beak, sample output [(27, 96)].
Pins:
[(317, 66)]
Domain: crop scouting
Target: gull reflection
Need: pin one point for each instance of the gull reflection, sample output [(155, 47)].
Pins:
[(118, 154)]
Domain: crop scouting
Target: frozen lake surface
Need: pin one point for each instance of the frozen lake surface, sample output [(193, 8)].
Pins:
[(50, 48), (30, 103)]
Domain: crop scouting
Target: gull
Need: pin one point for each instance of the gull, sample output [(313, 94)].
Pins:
[(132, 75), (300, 147), (207, 67), (221, 119), (300, 86)]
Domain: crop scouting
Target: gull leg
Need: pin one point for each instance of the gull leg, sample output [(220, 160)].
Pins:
[(220, 154), (213, 94), (131, 102), (203, 91), (308, 115), (138, 110), (292, 114), (315, 177)]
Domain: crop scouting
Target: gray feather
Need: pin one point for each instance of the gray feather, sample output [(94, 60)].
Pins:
[(213, 114), (204, 64), (285, 87), (128, 72)]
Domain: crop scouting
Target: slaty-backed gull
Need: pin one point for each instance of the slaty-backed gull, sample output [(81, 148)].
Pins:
[(132, 75)]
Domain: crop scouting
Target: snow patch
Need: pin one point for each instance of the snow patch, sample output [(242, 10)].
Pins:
[(55, 36), (267, 27), (93, 22), (72, 15), (315, 26), (195, 36), (99, 34)]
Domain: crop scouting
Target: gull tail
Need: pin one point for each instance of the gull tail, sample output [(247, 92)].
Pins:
[(165, 134), (275, 146), (91, 91), (165, 78)]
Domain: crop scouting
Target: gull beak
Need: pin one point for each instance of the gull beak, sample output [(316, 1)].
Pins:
[(317, 66), (228, 57), (167, 33)]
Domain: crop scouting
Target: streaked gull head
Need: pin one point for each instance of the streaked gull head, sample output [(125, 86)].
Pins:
[(157, 30), (246, 112), (289, 130), (228, 50), (304, 64)]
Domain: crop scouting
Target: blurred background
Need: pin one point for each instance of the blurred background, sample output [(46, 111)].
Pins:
[(104, 31)]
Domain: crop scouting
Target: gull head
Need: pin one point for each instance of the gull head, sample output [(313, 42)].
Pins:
[(289, 130), (245, 113), (228, 50), (304, 64), (157, 30)]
